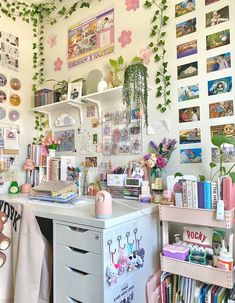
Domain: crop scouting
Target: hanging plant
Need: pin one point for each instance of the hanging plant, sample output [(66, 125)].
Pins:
[(135, 89), (157, 45), (40, 122), (38, 15)]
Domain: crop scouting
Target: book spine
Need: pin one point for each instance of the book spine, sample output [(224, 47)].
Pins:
[(207, 195), (227, 193), (200, 189), (214, 195), (184, 194), (194, 194), (189, 194)]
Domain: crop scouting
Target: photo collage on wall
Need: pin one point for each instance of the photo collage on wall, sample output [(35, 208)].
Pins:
[(219, 88), (121, 132), (9, 51)]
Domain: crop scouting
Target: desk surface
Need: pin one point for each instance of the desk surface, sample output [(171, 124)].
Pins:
[(123, 210)]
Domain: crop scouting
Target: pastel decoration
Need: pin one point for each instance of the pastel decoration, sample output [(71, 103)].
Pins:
[(2, 113), (15, 100), (125, 38), (57, 64), (15, 84), (145, 54), (14, 115), (132, 4), (52, 40)]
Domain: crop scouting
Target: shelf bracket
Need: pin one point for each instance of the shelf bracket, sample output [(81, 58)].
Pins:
[(97, 103), (80, 110)]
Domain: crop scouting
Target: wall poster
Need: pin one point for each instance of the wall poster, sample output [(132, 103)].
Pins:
[(9, 51), (91, 39)]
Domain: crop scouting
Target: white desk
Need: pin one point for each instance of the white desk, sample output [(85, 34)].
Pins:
[(81, 252)]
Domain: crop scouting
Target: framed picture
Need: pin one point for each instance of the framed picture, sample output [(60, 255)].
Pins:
[(75, 91)]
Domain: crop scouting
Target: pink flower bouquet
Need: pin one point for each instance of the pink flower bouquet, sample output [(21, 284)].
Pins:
[(51, 142), (158, 156)]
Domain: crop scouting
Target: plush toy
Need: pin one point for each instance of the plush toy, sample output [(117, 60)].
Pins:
[(133, 262), (112, 273), (4, 241), (123, 265)]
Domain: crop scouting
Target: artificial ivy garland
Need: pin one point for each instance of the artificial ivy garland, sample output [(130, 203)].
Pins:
[(38, 15), (135, 89), (162, 78)]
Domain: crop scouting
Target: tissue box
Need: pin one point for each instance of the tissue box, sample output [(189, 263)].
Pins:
[(176, 252)]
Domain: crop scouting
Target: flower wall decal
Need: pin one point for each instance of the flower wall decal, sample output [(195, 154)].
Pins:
[(132, 4), (52, 40), (125, 38), (145, 54), (57, 64)]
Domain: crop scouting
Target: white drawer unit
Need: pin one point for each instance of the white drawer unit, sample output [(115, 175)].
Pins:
[(78, 237), (83, 287), (83, 253), (78, 259)]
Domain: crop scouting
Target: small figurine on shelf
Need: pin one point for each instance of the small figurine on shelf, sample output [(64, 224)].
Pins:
[(167, 198)]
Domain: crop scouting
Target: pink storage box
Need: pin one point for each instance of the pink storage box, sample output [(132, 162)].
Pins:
[(176, 252)]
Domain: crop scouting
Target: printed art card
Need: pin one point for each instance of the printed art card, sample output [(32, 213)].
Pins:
[(11, 138)]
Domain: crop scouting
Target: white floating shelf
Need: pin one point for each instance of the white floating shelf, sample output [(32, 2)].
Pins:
[(58, 106), (195, 216), (206, 274)]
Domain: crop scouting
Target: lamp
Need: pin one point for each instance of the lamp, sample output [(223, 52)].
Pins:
[(29, 167)]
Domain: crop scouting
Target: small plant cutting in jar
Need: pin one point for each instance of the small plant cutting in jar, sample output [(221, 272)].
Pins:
[(51, 143), (158, 156)]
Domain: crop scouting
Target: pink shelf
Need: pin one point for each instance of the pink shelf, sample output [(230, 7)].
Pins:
[(195, 216), (202, 273)]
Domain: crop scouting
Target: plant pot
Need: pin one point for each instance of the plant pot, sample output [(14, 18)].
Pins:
[(51, 152)]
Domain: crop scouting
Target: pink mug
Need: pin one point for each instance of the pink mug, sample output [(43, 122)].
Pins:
[(103, 205)]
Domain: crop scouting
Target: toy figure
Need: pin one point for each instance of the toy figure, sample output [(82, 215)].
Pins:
[(112, 274), (167, 197)]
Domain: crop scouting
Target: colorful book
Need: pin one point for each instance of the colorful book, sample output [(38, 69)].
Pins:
[(200, 192), (194, 194), (189, 193), (228, 193), (214, 195), (207, 195), (184, 193)]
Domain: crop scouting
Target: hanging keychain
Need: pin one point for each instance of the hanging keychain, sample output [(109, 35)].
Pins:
[(132, 262), (112, 269), (140, 252), (123, 260)]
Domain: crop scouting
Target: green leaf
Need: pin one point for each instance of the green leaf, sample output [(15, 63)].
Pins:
[(113, 63), (212, 165), (219, 140), (120, 60), (232, 176), (178, 174), (202, 178)]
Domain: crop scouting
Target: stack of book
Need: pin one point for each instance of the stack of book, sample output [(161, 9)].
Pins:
[(39, 155), (54, 169), (180, 289), (45, 96), (206, 194)]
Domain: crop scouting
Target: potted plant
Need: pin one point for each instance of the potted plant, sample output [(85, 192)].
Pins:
[(135, 88), (118, 66), (51, 143)]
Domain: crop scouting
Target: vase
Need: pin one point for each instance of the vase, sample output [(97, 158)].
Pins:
[(51, 152), (156, 178)]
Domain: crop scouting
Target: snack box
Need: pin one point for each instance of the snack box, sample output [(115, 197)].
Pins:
[(176, 252)]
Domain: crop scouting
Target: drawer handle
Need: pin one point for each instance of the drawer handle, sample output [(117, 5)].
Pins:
[(73, 300), (78, 250), (78, 229), (78, 271)]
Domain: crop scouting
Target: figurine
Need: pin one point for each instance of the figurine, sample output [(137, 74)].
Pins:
[(167, 197), (112, 274)]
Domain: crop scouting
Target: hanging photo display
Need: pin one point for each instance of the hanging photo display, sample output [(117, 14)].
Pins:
[(219, 62), (221, 109), (91, 39), (186, 28), (184, 7), (187, 49), (9, 51), (228, 154), (122, 132), (217, 17), (189, 92), (219, 86), (218, 39), (191, 155), (188, 136)]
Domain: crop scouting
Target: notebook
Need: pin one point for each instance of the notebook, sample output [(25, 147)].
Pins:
[(55, 188)]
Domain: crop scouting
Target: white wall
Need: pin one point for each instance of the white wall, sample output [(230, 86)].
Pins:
[(139, 22), (24, 31)]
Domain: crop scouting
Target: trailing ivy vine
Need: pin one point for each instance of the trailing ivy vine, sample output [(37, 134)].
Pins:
[(38, 15), (157, 45)]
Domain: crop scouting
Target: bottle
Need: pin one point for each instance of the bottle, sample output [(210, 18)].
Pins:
[(225, 260), (85, 185), (102, 85)]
